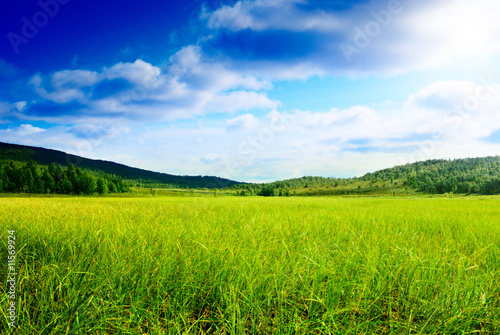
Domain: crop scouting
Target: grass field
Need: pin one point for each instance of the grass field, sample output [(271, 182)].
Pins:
[(248, 265)]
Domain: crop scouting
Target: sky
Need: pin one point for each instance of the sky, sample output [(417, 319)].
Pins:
[(253, 91)]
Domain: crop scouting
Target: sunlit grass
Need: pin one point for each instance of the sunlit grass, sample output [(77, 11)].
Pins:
[(235, 265)]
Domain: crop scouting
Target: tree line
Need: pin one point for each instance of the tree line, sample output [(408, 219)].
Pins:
[(439, 176), (435, 176), (288, 186), (32, 178)]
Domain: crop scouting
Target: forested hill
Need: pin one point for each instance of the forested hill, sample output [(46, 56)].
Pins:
[(21, 153), (469, 175), (439, 176)]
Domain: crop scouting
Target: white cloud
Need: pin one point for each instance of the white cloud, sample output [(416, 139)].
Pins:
[(241, 101), (139, 73), (189, 85), (382, 38), (247, 147), (118, 100), (59, 94), (245, 121), (262, 15), (20, 105), (74, 78), (8, 109), (23, 130), (87, 139), (27, 129)]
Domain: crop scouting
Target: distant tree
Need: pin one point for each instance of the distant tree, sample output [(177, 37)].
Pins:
[(67, 186), (28, 181), (16, 177), (102, 186), (52, 169), (3, 179), (39, 186), (86, 183), (58, 177), (49, 182), (33, 167), (112, 187), (71, 174), (267, 191)]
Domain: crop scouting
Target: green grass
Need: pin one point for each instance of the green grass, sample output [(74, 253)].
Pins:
[(252, 265)]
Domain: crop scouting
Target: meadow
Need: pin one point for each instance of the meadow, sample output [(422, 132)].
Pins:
[(253, 265)]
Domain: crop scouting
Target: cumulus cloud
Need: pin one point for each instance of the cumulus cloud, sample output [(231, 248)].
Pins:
[(245, 121), (10, 111), (87, 139), (339, 142), (23, 130), (27, 129), (462, 108), (273, 14), (139, 73), (353, 141), (74, 78), (188, 85), (231, 69), (372, 37)]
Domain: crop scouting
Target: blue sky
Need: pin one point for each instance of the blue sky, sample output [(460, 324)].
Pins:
[(252, 90)]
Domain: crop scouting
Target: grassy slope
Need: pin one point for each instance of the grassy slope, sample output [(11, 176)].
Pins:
[(265, 265)]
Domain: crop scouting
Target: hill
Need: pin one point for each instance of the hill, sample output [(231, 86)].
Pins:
[(468, 175), (437, 176), (22, 153)]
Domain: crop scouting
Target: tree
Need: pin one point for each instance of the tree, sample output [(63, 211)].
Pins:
[(52, 170), (71, 174), (16, 177), (33, 167), (112, 187), (102, 186), (39, 186), (28, 183), (267, 191), (3, 179), (58, 177), (66, 186), (86, 183), (49, 182)]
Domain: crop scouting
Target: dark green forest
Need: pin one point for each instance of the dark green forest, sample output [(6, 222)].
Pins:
[(32, 178)]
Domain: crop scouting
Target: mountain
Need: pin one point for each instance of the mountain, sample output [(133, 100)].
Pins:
[(22, 153)]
